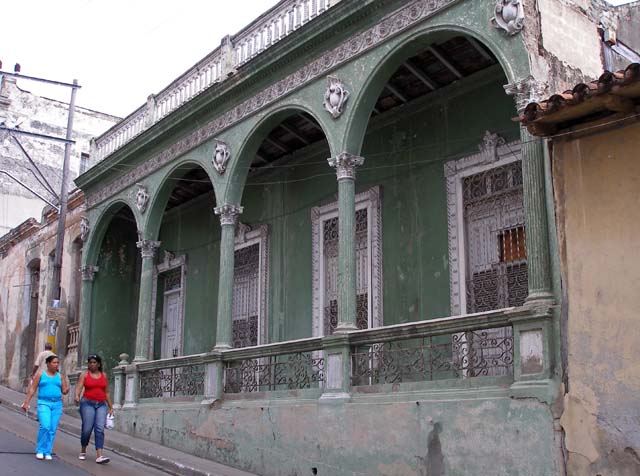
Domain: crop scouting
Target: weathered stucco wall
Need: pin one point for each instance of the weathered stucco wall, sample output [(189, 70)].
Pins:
[(597, 186), (15, 301), (403, 435)]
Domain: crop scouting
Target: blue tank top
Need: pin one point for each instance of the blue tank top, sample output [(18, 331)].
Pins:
[(50, 387)]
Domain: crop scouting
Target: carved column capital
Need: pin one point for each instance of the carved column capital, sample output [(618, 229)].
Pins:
[(345, 165), (228, 213), (88, 272), (525, 91), (148, 248)]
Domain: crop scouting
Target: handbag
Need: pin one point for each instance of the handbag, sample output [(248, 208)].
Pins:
[(110, 422)]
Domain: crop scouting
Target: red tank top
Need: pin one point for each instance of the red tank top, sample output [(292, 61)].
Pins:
[(94, 388)]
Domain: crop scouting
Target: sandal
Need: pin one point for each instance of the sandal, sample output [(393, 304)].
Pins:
[(82, 456), (102, 460)]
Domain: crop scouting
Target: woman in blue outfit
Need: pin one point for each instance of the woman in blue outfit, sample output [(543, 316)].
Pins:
[(51, 385)]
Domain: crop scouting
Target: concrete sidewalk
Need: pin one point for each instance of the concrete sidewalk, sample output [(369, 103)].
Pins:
[(152, 454)]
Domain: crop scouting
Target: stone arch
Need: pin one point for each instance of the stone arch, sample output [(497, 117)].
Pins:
[(99, 228), (257, 133), (160, 197), (415, 41)]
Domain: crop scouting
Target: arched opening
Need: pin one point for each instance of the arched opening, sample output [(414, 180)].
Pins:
[(116, 289), (287, 177), (29, 337), (184, 303), (431, 105)]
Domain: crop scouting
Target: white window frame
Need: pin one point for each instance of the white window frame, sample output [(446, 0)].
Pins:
[(494, 152), (246, 236), (169, 263), (371, 200)]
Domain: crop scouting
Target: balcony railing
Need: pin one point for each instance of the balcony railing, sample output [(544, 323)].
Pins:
[(268, 29), (73, 333), (507, 346)]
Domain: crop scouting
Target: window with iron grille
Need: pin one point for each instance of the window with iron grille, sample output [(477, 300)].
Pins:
[(325, 234), (249, 287)]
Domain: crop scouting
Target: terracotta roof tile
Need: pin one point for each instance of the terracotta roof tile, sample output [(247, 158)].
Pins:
[(612, 92)]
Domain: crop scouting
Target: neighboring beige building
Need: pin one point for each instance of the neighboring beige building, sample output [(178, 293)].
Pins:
[(595, 138), (31, 113)]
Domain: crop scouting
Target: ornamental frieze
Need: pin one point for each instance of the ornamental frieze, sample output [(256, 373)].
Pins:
[(392, 24)]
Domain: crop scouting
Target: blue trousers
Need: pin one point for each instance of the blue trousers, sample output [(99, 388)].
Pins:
[(49, 413), (94, 417)]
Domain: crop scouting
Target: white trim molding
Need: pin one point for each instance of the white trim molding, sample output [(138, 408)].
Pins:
[(169, 263), (370, 199), (494, 152)]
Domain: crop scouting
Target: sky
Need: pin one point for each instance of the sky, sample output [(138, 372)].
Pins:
[(120, 51)]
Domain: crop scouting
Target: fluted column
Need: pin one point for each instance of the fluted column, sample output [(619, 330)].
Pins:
[(86, 301), (143, 331), (345, 165), (537, 229), (228, 218)]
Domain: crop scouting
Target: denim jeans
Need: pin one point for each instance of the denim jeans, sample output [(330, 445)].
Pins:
[(94, 417), (49, 412)]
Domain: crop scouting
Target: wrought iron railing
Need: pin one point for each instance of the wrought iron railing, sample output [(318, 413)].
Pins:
[(180, 377), (290, 366), (268, 29), (500, 346), (457, 355)]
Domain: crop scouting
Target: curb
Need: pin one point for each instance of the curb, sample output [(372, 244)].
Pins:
[(157, 462)]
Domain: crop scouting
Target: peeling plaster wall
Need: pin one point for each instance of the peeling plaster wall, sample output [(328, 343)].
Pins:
[(14, 299), (32, 113), (597, 183), (385, 435), (563, 42)]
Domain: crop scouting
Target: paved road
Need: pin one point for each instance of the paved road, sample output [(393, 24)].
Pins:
[(17, 444)]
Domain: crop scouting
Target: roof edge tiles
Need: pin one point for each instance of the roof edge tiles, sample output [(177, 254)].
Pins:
[(613, 92)]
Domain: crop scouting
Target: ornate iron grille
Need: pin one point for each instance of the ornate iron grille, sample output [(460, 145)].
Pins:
[(465, 354), (173, 280), (330, 238), (495, 232), (283, 372), (246, 296), (176, 381)]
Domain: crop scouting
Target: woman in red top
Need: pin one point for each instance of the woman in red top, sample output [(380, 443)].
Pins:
[(93, 406)]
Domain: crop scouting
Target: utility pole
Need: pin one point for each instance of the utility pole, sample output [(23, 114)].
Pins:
[(62, 216), (68, 143)]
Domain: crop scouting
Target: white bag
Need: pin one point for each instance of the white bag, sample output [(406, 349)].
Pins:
[(110, 422)]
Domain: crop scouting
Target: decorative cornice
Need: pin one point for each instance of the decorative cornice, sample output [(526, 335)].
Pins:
[(88, 272), (148, 248), (228, 213), (345, 165), (394, 23)]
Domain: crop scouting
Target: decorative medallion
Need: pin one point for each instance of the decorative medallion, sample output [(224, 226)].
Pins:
[(509, 16), (221, 156), (84, 228), (335, 96), (142, 198)]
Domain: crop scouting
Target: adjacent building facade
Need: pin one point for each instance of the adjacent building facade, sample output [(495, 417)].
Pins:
[(327, 248)]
